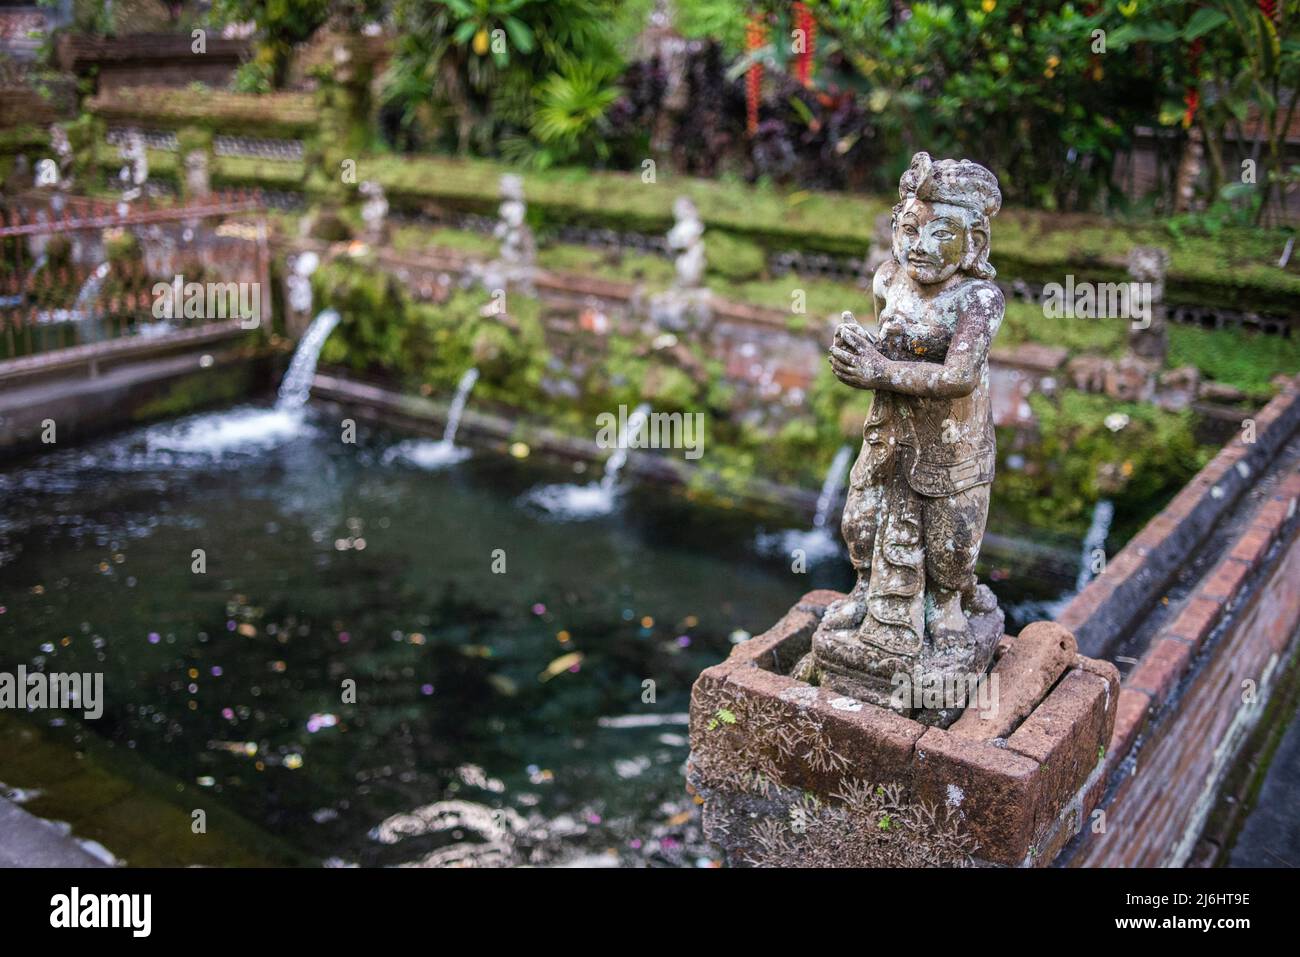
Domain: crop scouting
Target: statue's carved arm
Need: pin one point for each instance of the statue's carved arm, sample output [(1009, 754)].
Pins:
[(858, 363)]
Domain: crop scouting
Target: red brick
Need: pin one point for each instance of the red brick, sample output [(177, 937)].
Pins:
[(1085, 604), (1288, 491), (1225, 581), (1218, 467), (1066, 734), (1155, 531), (998, 791), (874, 741), (1233, 451), (816, 601), (1252, 546), (1196, 620), (1130, 718), (789, 635), (1129, 560), (1161, 667), (1272, 515), (1277, 406), (1107, 672)]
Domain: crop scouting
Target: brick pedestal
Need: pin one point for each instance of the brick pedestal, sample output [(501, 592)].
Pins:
[(791, 774)]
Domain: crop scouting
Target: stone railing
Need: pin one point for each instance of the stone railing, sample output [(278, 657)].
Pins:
[(1202, 609)]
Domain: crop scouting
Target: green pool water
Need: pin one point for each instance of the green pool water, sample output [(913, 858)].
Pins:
[(521, 679)]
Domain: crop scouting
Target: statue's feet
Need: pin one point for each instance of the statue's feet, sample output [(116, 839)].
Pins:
[(945, 622), (849, 612), (979, 600)]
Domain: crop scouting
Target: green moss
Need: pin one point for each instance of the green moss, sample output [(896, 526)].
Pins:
[(734, 258), (1076, 459), (423, 344), (1025, 322), (416, 238), (196, 392), (1246, 360), (656, 272), (274, 115), (190, 138)]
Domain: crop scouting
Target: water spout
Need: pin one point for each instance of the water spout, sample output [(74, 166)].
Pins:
[(831, 486), (596, 498), (296, 386), (627, 437), (1102, 515), (89, 291), (458, 405), (819, 542), (436, 455)]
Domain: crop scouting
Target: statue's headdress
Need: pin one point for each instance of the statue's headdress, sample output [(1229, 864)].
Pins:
[(957, 183)]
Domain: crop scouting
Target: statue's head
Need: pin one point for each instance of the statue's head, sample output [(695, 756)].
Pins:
[(512, 187), (941, 223)]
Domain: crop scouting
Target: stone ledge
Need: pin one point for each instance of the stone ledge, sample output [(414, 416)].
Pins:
[(755, 732), (30, 841), (1104, 612)]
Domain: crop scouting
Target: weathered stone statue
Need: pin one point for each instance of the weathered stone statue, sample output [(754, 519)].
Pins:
[(1150, 265), (919, 492), (518, 249), (688, 303), (516, 262), (63, 150), (136, 171), (198, 181), (374, 212), (686, 238)]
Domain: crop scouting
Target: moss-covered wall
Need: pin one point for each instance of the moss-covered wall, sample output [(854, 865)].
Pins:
[(1233, 268), (425, 347)]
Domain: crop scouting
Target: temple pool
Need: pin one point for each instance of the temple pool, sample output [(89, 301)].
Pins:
[(520, 678)]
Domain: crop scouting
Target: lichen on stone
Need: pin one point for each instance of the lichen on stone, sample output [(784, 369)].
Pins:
[(862, 826), (751, 751)]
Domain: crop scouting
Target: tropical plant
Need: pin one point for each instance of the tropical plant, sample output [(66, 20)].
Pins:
[(570, 114), (470, 68), (281, 26), (1238, 73)]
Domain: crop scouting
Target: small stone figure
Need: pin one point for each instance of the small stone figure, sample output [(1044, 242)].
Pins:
[(687, 237), (919, 492), (516, 263), (374, 212), (298, 286), (687, 304), (136, 171), (198, 183), (517, 245), (1149, 265), (63, 150)]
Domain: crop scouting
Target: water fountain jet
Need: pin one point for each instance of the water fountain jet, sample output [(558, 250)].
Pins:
[(427, 454)]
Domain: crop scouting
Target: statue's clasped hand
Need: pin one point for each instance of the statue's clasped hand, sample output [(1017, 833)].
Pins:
[(854, 357)]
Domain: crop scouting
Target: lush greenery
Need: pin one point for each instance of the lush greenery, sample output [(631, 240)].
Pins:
[(1080, 454), (424, 347), (532, 80)]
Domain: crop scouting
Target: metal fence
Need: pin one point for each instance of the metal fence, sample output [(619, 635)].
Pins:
[(78, 270)]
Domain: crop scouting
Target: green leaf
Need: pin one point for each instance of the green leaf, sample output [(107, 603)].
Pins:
[(464, 32), (800, 107), (520, 35), (1203, 21)]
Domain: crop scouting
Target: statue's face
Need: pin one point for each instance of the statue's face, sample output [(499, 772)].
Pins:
[(930, 240)]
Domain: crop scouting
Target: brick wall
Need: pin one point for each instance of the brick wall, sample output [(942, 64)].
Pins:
[(1188, 704)]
